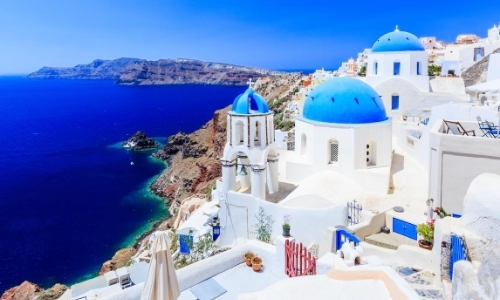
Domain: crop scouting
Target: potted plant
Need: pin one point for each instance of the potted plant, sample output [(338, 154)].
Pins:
[(256, 263), (248, 258), (441, 212), (286, 225), (426, 230)]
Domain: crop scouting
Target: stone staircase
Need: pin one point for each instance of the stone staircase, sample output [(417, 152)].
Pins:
[(422, 282)]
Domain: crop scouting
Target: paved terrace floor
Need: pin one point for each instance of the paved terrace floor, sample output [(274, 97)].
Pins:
[(284, 190), (240, 279)]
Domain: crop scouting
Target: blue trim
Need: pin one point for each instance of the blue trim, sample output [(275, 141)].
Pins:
[(397, 68), (395, 102), (215, 232), (403, 228), (183, 243), (456, 215), (458, 252), (345, 236)]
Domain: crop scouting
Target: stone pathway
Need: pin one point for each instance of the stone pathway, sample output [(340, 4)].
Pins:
[(422, 282), (389, 241)]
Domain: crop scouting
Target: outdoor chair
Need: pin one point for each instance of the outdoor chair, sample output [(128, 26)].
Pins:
[(457, 129), (489, 129)]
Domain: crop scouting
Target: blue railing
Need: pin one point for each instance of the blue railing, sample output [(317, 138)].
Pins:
[(458, 251), (345, 236)]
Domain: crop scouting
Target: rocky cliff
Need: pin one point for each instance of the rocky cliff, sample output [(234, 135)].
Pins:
[(98, 69), (188, 71), (477, 73), (139, 141), (31, 291), (134, 71)]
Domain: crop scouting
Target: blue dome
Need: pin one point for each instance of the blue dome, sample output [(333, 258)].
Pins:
[(249, 103), (344, 100), (397, 41)]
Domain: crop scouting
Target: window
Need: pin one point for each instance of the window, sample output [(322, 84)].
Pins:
[(395, 102), (334, 152), (303, 145), (418, 68), (397, 66), (239, 133), (375, 68)]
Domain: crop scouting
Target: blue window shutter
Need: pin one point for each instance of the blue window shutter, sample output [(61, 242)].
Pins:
[(376, 68), (397, 66), (395, 102)]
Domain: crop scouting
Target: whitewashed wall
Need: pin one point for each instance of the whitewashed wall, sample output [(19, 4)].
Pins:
[(238, 211)]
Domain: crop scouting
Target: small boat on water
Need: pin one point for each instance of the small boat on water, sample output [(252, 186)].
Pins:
[(131, 163)]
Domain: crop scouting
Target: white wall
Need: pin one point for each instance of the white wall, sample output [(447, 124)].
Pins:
[(238, 219), (408, 68), (493, 67), (459, 160)]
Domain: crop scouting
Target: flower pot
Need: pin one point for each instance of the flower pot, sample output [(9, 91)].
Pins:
[(248, 261), (256, 267), (286, 232), (425, 244)]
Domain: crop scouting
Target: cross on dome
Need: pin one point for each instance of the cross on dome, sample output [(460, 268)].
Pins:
[(249, 82), (397, 28)]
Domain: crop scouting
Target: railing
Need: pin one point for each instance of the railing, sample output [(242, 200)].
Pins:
[(298, 260), (458, 251), (353, 212), (344, 235)]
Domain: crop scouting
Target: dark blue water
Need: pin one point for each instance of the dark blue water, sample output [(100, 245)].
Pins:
[(69, 197)]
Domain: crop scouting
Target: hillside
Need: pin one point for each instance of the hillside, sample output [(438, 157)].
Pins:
[(134, 71), (98, 69), (188, 71)]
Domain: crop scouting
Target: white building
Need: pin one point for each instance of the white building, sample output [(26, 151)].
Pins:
[(398, 55), (344, 128)]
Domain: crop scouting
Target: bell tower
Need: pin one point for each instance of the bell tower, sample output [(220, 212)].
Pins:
[(250, 158)]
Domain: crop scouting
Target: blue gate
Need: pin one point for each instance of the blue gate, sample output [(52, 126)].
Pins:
[(353, 212), (458, 252), (343, 236), (185, 242)]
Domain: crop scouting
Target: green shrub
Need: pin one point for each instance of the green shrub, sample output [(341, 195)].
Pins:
[(426, 230)]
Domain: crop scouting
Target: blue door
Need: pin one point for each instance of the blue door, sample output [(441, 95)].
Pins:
[(404, 228), (398, 226), (185, 242)]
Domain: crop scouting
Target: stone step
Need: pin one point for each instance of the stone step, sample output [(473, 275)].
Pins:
[(389, 241)]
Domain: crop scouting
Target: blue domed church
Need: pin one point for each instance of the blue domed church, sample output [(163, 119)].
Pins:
[(344, 128), (397, 68)]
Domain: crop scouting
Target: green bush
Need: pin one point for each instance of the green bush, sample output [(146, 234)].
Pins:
[(426, 230), (264, 226)]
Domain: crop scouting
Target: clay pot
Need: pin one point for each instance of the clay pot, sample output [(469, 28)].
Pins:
[(256, 267), (425, 244), (248, 261)]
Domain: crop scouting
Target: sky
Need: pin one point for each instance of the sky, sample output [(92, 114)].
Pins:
[(273, 34)]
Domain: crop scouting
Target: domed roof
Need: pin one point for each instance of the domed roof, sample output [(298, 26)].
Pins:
[(344, 100), (249, 103), (397, 41)]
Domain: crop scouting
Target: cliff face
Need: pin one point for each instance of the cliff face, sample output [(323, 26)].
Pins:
[(31, 291), (134, 71), (477, 73), (187, 71), (98, 69)]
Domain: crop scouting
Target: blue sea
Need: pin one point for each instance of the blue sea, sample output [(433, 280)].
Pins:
[(69, 196)]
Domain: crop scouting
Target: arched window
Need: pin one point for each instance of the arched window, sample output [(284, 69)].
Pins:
[(397, 68), (303, 144), (419, 71), (395, 101), (375, 68), (239, 138), (333, 152)]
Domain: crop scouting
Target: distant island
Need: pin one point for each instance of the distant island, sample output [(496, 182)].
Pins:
[(134, 71)]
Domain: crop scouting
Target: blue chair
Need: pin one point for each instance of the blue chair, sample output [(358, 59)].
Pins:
[(490, 129)]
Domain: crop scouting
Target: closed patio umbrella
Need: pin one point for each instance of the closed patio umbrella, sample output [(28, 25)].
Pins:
[(161, 282)]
